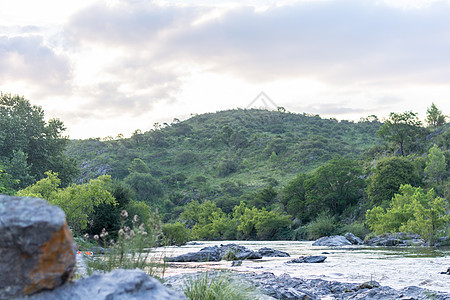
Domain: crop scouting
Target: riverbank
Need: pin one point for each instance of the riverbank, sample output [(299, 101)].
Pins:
[(396, 267), (269, 286)]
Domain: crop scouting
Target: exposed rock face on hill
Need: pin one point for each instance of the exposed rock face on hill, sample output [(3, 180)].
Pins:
[(37, 251)]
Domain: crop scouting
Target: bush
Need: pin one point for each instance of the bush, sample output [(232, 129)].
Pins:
[(357, 228), (323, 225), (176, 233)]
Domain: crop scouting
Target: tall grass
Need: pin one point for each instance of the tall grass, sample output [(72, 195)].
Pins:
[(131, 250), (217, 286)]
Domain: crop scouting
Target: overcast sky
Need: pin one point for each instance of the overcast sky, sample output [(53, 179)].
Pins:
[(110, 67)]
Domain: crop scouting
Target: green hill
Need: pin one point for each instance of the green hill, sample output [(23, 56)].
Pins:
[(228, 153)]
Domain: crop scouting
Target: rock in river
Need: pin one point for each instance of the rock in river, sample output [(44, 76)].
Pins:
[(332, 241), (268, 252), (216, 253), (308, 259)]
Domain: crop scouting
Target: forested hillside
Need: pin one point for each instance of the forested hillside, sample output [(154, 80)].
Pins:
[(225, 155), (237, 174)]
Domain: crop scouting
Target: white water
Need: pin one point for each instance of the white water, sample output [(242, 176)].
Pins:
[(394, 267)]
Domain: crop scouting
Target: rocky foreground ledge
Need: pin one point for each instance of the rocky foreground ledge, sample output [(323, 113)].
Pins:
[(286, 287)]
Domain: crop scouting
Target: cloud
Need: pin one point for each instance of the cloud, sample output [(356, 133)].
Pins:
[(336, 42), (28, 59)]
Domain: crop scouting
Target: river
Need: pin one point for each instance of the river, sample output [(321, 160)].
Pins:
[(391, 266)]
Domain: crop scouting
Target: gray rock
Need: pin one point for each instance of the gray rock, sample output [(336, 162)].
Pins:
[(236, 263), (353, 238), (37, 250), (332, 241), (287, 287), (400, 239), (216, 253), (268, 252), (118, 284), (308, 259)]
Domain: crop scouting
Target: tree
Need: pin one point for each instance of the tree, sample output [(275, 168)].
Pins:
[(6, 183), (436, 167), (389, 174), (330, 188), (147, 188), (401, 129), (336, 186), (77, 201), (206, 220), (24, 130), (138, 166), (435, 118), (294, 197), (411, 210)]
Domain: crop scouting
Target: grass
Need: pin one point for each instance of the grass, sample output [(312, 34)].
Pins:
[(217, 286)]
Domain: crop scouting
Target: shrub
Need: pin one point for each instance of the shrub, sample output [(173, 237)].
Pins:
[(357, 228), (323, 225), (176, 233)]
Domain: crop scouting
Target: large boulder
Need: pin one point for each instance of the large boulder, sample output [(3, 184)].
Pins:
[(353, 238), (117, 284), (332, 241), (37, 251), (216, 253)]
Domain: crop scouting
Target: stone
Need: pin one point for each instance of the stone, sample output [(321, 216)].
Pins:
[(308, 259), (268, 252), (353, 238), (400, 239), (216, 253), (287, 287), (37, 251), (117, 284), (332, 241), (447, 273), (236, 263)]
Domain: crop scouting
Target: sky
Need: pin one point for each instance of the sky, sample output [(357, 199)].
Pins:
[(110, 67)]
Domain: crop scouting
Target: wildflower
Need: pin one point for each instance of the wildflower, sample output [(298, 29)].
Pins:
[(126, 228), (86, 236), (135, 219), (144, 233), (141, 227), (124, 214), (132, 234), (96, 237), (121, 232), (104, 233)]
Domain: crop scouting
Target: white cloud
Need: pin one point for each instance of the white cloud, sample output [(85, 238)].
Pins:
[(135, 60)]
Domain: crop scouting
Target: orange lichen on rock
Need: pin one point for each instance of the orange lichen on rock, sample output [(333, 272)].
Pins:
[(55, 263)]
